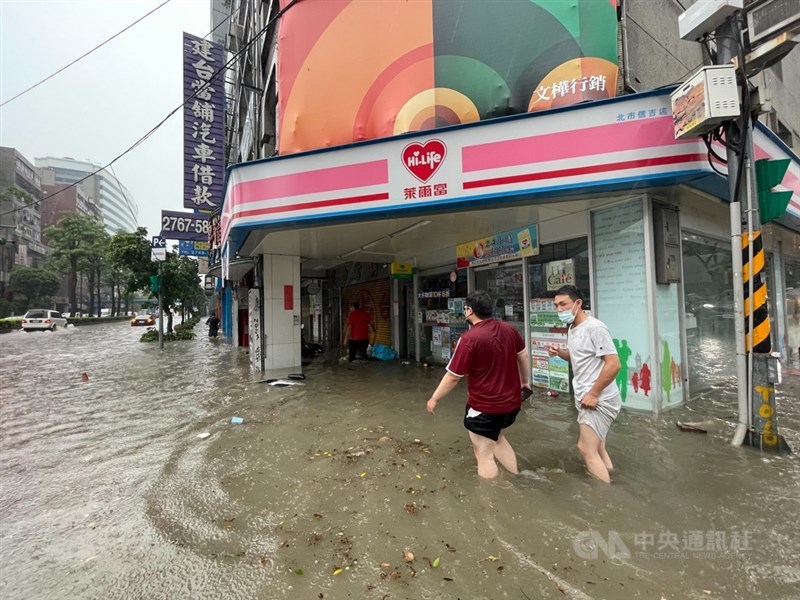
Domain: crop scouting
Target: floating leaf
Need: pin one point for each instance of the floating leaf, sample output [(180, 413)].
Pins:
[(363, 474), (337, 571), (408, 556), (298, 571), (492, 558), (418, 476), (435, 562), (385, 565)]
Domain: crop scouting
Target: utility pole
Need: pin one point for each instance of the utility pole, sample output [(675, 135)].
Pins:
[(757, 367), (771, 24)]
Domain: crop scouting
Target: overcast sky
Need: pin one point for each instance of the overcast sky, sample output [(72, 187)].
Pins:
[(97, 108)]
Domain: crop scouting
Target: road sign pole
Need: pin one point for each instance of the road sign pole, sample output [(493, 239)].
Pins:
[(160, 306)]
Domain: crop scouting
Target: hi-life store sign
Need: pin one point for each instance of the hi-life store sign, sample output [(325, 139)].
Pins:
[(616, 144)]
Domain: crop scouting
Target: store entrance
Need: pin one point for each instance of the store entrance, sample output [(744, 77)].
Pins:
[(504, 282)]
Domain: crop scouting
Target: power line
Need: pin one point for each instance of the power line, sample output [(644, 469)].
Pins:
[(215, 76), (84, 55)]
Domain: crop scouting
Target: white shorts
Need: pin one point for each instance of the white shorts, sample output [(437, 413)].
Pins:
[(598, 418)]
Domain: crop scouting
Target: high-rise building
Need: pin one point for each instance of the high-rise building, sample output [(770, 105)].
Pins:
[(119, 209), (20, 215)]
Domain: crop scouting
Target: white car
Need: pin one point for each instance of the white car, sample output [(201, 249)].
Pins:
[(41, 319)]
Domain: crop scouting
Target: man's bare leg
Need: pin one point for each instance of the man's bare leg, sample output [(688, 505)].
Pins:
[(505, 455), (484, 454), (604, 455), (589, 447)]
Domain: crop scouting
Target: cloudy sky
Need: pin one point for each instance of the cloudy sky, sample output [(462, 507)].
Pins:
[(100, 106)]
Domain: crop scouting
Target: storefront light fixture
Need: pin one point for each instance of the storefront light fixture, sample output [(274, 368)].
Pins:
[(391, 236), (409, 229)]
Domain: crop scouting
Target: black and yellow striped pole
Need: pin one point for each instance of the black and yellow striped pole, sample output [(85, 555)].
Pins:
[(755, 309)]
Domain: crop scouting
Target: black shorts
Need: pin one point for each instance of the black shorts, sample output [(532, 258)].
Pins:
[(489, 425)]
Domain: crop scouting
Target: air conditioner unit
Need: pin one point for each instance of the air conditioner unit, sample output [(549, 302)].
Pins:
[(704, 101)]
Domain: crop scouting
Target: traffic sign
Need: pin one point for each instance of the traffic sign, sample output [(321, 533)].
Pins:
[(158, 242), (157, 254)]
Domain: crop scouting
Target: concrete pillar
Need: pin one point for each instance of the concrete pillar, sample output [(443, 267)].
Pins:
[(281, 315)]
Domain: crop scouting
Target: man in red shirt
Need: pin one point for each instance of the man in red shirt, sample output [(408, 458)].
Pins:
[(493, 356), (356, 332)]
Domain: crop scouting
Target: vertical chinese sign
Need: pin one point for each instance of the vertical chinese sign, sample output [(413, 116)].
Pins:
[(203, 123)]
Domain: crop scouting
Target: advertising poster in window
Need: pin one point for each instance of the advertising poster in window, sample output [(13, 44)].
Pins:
[(547, 371), (620, 284)]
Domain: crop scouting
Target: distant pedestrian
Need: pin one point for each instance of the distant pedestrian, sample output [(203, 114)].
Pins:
[(213, 325), (595, 366), (493, 357), (356, 332)]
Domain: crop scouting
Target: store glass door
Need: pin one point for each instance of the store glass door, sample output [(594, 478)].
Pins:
[(504, 284)]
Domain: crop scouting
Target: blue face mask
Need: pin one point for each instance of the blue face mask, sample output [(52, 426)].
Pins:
[(566, 316)]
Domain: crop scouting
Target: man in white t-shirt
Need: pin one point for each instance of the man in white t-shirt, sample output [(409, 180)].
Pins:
[(595, 365)]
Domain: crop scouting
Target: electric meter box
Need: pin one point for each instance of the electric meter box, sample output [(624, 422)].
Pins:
[(704, 101)]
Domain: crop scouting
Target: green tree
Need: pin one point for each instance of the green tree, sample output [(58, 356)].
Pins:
[(181, 283), (95, 263), (38, 285), (75, 241), (129, 253)]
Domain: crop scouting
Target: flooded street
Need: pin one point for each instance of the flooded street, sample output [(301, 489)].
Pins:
[(107, 491)]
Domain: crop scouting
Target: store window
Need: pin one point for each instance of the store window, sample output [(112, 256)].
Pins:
[(792, 308), (563, 263), (709, 314), (440, 303), (504, 284)]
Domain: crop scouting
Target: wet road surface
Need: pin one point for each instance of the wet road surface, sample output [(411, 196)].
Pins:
[(107, 492)]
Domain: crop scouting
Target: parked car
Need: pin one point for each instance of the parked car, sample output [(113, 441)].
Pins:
[(143, 319), (41, 319)]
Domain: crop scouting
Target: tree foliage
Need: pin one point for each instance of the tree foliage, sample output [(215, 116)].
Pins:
[(77, 241), (129, 253), (38, 285)]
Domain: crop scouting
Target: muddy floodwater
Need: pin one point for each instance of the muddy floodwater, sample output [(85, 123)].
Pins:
[(345, 487)]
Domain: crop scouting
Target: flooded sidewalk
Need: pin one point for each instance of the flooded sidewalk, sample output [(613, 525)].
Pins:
[(345, 487)]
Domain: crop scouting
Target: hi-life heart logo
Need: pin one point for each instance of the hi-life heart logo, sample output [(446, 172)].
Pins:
[(423, 160)]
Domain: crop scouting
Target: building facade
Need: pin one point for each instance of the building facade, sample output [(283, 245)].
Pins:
[(20, 217), (599, 194), (119, 209)]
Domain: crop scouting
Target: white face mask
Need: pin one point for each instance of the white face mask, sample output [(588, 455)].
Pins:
[(566, 316)]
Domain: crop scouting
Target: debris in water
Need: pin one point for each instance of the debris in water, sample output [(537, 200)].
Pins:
[(203, 435), (237, 420), (408, 556), (295, 376), (283, 382), (694, 428), (384, 439), (84, 377), (337, 571)]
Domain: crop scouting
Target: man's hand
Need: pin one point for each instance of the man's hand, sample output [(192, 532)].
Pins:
[(432, 405), (554, 350), (589, 400)]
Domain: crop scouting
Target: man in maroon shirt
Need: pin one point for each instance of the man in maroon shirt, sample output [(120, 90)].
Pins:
[(493, 356), (356, 332)]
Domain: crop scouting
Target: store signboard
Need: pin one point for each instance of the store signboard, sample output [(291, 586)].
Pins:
[(402, 270), (612, 145), (193, 248), (203, 123), (560, 273), (184, 226), (523, 241)]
